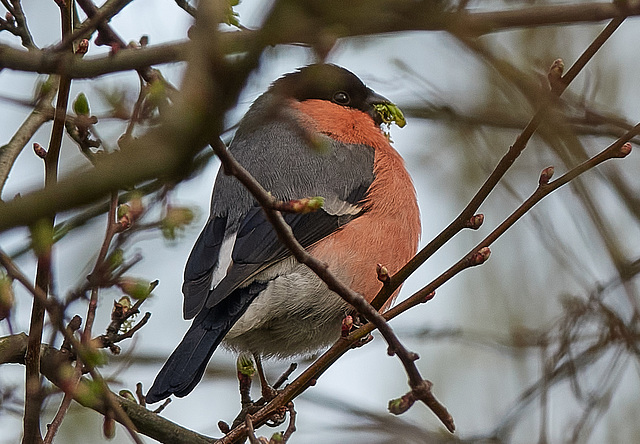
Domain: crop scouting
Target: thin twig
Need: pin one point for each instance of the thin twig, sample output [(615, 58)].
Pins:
[(55, 424), (107, 36), (21, 25), (104, 249), (301, 383), (496, 175), (109, 9), (251, 433), (38, 117), (292, 423)]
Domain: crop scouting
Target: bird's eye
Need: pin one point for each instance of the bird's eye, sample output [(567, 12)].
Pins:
[(341, 98)]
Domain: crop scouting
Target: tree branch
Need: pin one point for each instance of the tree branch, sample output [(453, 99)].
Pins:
[(461, 222), (56, 363), (351, 19), (98, 20), (356, 300), (620, 148), (38, 117)]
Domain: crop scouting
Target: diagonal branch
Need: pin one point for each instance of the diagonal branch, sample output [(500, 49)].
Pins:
[(618, 149), (461, 221), (98, 20), (321, 269), (38, 117)]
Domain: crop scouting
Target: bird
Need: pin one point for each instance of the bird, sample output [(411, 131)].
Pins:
[(315, 132)]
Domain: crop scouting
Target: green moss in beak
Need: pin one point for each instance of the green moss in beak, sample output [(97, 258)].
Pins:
[(390, 113)]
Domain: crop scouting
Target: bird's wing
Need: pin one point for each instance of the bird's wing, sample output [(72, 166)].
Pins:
[(257, 245), (279, 156), (203, 259)]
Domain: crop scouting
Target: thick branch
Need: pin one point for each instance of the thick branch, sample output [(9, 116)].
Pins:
[(48, 62), (343, 19), (56, 363)]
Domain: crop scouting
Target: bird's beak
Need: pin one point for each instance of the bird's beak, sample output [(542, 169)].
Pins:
[(383, 111)]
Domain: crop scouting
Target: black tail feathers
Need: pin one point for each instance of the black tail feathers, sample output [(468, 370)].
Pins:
[(186, 365)]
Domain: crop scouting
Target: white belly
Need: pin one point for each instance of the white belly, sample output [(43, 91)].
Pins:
[(295, 315)]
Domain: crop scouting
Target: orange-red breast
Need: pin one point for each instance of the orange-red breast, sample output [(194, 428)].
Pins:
[(315, 132)]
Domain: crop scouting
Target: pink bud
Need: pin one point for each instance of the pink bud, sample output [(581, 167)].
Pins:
[(40, 151), (623, 151), (480, 257), (383, 273), (555, 73), (109, 428), (546, 175), (475, 221), (347, 325), (83, 47), (429, 297)]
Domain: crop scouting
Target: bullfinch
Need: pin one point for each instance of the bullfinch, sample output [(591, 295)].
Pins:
[(314, 132)]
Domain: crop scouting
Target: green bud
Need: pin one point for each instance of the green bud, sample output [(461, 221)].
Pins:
[(315, 203), (276, 438), (115, 259), (43, 87), (125, 302), (177, 218), (244, 365), (7, 298), (95, 357), (89, 393), (123, 210), (136, 288), (81, 105), (156, 93), (231, 17), (126, 394), (41, 237), (400, 405)]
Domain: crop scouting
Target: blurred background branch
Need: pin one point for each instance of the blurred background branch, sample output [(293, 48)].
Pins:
[(541, 343)]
